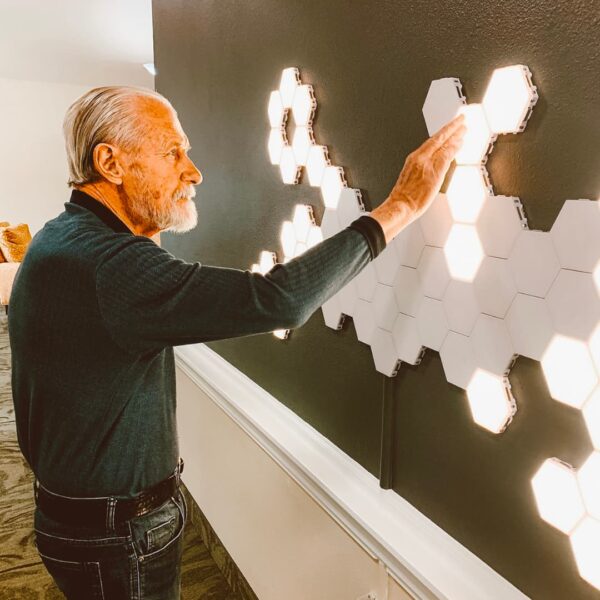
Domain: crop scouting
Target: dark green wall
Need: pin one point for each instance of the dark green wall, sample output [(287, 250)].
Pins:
[(371, 64)]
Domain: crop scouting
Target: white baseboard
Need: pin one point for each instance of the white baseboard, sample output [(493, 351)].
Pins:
[(423, 558)]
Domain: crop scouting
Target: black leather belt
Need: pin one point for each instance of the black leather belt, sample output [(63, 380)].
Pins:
[(105, 511)]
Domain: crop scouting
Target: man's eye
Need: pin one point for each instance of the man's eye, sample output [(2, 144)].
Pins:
[(174, 152)]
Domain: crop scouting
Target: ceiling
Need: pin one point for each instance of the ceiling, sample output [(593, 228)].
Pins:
[(98, 42)]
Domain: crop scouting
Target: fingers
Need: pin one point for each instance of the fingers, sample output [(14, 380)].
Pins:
[(453, 129)]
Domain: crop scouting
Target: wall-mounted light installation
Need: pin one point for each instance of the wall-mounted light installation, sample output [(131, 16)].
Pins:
[(471, 281)]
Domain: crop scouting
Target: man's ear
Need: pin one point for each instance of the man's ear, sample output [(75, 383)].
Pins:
[(108, 164)]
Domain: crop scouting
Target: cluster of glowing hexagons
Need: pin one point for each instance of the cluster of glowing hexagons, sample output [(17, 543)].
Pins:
[(508, 101), (303, 152), (300, 233), (570, 501)]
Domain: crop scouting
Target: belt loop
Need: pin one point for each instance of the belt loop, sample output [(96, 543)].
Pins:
[(110, 514)]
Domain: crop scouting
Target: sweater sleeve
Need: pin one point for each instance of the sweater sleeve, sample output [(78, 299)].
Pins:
[(149, 299)]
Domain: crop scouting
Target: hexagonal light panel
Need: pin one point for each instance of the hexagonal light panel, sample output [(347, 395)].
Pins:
[(588, 478), (569, 371), (463, 252), (444, 100), (332, 185), (466, 193), (478, 137), (509, 99), (303, 105), (591, 416), (585, 542), (490, 400), (557, 495), (316, 162)]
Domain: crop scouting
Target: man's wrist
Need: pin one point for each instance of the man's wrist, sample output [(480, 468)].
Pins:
[(393, 216)]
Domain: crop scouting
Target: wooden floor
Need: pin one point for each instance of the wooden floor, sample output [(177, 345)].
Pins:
[(22, 574)]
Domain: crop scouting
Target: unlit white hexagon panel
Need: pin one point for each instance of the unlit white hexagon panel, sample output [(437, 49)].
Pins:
[(494, 286), (407, 340), (575, 235), (574, 304), (366, 282), (444, 100), (384, 353), (407, 287), (436, 222), (530, 326), (409, 244), (500, 222), (433, 272), (350, 206), (461, 306), (349, 297), (492, 345), (387, 265), (329, 223), (385, 307), (458, 359), (431, 323), (364, 320), (534, 263)]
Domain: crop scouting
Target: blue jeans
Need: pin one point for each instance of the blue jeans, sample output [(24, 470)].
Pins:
[(139, 559)]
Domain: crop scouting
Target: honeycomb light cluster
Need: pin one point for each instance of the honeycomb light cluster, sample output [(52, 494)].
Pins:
[(471, 281)]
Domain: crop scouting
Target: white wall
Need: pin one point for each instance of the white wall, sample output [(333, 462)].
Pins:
[(33, 161), (284, 543)]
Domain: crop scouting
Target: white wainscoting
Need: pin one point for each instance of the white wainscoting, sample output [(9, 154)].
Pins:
[(231, 430)]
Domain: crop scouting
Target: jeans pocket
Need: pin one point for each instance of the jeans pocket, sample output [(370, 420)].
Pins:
[(153, 532), (77, 580)]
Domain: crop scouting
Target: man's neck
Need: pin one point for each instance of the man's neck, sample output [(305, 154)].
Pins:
[(108, 195)]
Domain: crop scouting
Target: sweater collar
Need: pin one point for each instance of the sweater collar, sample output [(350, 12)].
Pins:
[(101, 211)]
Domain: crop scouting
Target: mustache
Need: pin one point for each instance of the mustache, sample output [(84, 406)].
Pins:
[(186, 192)]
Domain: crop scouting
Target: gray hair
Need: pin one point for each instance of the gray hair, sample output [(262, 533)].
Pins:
[(102, 115)]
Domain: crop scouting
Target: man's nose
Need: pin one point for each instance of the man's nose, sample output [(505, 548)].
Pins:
[(192, 174)]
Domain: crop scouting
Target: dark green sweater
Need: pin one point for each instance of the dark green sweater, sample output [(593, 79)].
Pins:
[(94, 314)]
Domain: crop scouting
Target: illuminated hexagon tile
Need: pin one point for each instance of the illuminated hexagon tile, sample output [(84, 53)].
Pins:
[(491, 402), (557, 495), (585, 542)]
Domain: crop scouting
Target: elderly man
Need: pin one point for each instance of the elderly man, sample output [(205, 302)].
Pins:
[(96, 309)]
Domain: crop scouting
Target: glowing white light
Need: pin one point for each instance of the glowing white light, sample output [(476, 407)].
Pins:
[(275, 110), (557, 495), (288, 167), (303, 219), (508, 99), (266, 261), (290, 79), (150, 68), (491, 402), (276, 144), (466, 193), (282, 334), (463, 252), (301, 248), (301, 144), (303, 105), (569, 371), (288, 238), (316, 163), (591, 416), (315, 236), (588, 477), (585, 542), (332, 185), (255, 268), (478, 136)]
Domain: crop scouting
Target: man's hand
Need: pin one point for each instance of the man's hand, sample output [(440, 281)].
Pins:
[(420, 179)]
